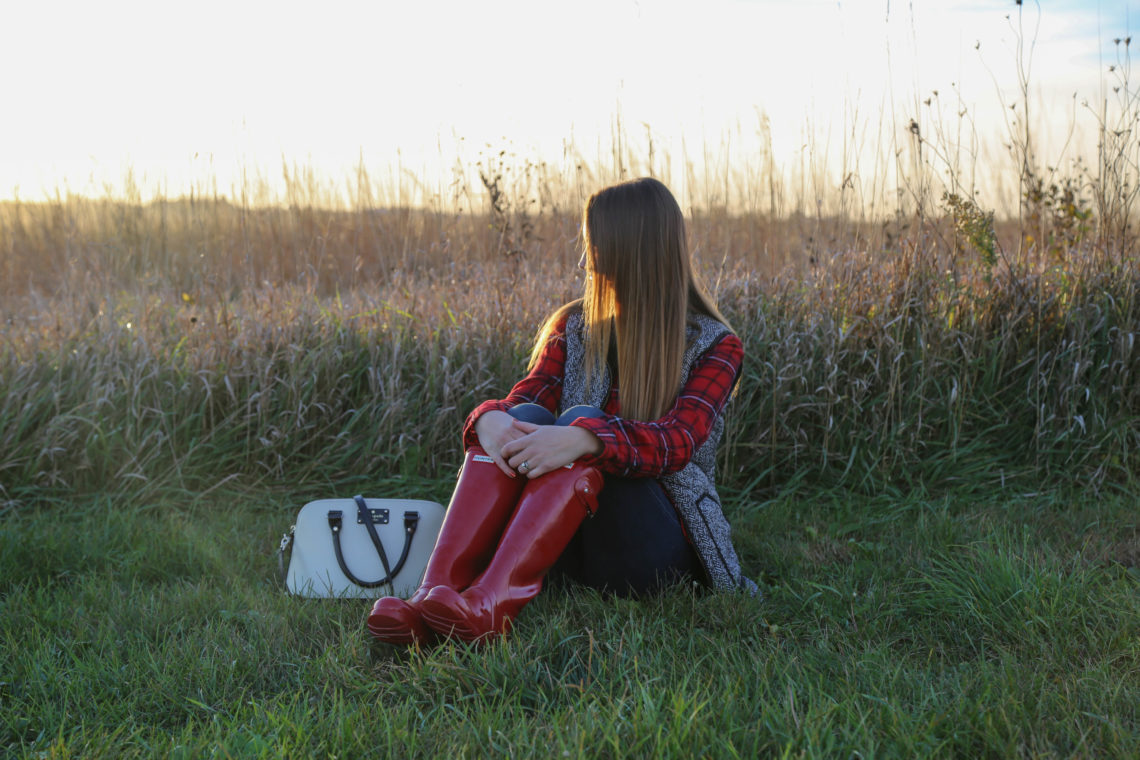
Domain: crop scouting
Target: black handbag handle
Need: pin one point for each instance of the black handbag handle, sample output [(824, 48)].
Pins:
[(364, 515)]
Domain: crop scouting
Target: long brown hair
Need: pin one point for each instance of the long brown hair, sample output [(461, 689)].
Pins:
[(640, 294)]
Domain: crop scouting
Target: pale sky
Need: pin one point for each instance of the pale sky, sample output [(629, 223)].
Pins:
[(187, 91)]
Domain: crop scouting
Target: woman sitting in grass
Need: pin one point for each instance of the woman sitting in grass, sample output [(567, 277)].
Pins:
[(601, 460)]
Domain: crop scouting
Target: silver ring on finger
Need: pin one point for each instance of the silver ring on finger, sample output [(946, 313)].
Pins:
[(524, 467)]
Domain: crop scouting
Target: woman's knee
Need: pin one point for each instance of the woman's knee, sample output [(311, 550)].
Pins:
[(577, 412), (532, 413), (539, 415)]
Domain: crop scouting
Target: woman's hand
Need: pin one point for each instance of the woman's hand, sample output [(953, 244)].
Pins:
[(495, 430), (547, 447)]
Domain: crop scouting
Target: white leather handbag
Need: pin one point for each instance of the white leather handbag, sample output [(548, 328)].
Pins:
[(360, 548)]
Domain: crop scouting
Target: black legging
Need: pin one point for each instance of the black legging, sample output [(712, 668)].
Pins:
[(634, 544)]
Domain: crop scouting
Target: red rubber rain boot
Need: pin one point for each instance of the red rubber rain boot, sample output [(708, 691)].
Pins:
[(480, 506), (550, 510)]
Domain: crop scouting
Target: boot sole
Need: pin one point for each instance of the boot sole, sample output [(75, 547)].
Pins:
[(450, 624), (393, 631)]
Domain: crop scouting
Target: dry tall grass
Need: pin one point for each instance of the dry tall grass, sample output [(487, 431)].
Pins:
[(296, 355)]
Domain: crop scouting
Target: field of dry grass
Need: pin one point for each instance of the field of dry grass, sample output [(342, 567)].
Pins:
[(145, 343)]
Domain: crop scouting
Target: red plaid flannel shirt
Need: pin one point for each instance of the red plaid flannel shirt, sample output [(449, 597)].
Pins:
[(631, 448)]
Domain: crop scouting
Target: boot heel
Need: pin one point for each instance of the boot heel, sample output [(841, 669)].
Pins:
[(446, 611), (394, 621)]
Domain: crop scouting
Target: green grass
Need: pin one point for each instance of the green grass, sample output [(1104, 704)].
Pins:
[(891, 627)]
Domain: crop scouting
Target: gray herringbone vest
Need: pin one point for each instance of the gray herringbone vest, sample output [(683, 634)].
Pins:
[(693, 488)]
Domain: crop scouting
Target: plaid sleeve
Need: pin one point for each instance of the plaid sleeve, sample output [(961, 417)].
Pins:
[(542, 385), (651, 449)]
